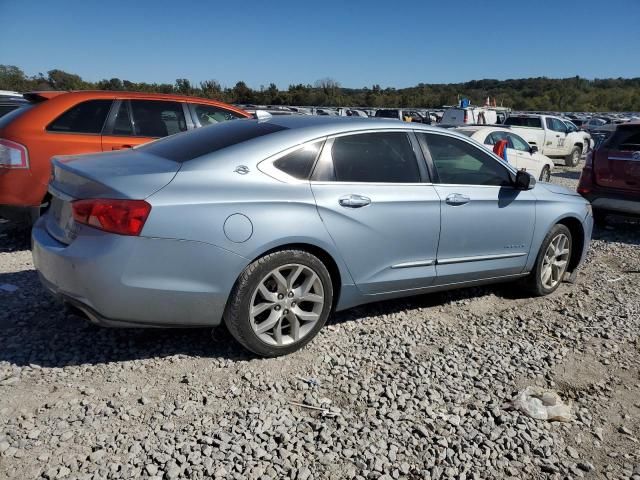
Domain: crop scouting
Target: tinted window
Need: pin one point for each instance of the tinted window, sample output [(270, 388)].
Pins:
[(202, 141), (208, 114), (122, 124), (524, 122), (387, 114), (298, 164), (4, 109), (152, 118), (460, 163), (556, 125), (86, 117), (626, 139), (11, 116), (385, 157)]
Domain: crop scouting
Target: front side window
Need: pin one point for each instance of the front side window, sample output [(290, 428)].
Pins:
[(298, 164), (556, 125), (518, 143), (533, 122), (382, 157), (460, 163), (86, 117), (154, 118), (209, 114)]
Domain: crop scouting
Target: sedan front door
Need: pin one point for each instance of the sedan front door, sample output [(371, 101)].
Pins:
[(374, 198), (487, 225)]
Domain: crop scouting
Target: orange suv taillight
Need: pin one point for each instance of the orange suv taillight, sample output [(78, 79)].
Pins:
[(13, 155)]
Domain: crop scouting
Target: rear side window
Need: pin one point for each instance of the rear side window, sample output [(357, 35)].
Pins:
[(7, 118), (298, 164), (384, 157), (209, 114), (203, 141), (86, 117), (524, 122), (122, 124), (625, 139), (154, 118)]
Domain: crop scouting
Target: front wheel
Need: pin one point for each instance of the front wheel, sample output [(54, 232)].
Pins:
[(551, 263), (545, 175), (279, 303)]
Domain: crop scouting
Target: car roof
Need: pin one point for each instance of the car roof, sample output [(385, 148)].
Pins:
[(477, 128), (110, 94)]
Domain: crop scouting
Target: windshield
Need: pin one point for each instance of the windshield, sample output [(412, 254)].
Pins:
[(195, 143)]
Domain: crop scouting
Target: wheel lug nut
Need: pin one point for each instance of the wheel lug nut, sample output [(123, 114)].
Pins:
[(277, 307), (280, 296), (290, 294), (286, 311), (293, 304)]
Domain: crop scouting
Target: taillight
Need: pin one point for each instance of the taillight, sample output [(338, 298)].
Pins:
[(466, 117), (124, 217), (13, 155)]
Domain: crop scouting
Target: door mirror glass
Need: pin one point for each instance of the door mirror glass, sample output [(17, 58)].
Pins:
[(524, 180)]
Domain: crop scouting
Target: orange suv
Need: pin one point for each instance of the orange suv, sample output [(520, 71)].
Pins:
[(68, 123)]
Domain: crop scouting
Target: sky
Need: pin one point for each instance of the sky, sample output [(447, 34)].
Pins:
[(358, 43)]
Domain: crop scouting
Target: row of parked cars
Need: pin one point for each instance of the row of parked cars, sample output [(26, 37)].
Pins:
[(271, 224)]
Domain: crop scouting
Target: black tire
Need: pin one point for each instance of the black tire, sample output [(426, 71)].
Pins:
[(237, 316), (599, 217), (573, 158), (545, 174), (533, 282)]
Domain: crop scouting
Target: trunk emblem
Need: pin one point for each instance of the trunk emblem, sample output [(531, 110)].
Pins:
[(242, 169)]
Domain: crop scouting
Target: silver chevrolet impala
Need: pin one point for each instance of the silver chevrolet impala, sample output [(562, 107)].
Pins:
[(270, 225)]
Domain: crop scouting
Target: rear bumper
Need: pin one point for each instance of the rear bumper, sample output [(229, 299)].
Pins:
[(137, 281), (614, 202)]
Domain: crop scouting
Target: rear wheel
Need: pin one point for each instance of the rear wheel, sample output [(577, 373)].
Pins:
[(279, 303), (545, 175), (573, 158), (552, 261)]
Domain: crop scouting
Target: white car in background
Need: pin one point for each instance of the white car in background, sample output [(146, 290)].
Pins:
[(519, 153)]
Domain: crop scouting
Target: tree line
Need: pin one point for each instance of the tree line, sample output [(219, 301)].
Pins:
[(566, 94)]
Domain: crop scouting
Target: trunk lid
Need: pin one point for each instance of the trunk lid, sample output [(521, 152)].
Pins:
[(120, 175), (616, 164)]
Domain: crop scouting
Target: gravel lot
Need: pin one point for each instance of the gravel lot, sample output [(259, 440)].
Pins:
[(414, 389)]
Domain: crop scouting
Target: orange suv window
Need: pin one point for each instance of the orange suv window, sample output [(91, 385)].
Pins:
[(152, 118)]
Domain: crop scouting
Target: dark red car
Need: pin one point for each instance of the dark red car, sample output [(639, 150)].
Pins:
[(610, 179)]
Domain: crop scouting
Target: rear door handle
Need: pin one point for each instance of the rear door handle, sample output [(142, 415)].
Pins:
[(457, 199), (354, 201), (120, 147)]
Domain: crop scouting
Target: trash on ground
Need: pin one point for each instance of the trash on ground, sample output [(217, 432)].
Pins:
[(324, 411), (542, 404), (7, 287), (309, 381)]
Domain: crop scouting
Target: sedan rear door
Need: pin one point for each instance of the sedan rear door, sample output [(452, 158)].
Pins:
[(374, 197)]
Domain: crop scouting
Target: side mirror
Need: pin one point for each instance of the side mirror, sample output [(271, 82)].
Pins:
[(533, 149), (525, 181)]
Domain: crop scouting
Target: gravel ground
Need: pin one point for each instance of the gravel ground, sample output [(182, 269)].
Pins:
[(415, 389)]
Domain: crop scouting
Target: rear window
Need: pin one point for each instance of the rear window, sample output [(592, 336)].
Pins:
[(524, 122), (6, 119), (205, 140), (387, 114), (625, 139)]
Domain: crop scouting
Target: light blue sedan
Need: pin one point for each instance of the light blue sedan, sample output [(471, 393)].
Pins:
[(270, 225)]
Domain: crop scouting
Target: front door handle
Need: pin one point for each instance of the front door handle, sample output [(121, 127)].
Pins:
[(457, 199), (354, 201), (121, 147)]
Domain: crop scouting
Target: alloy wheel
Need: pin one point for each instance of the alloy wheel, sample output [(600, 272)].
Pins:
[(555, 261), (286, 304)]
